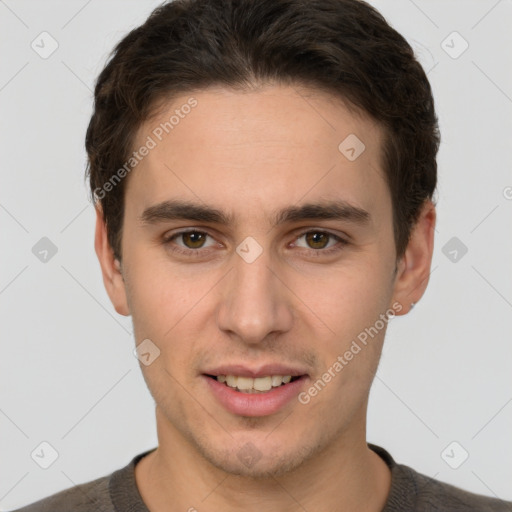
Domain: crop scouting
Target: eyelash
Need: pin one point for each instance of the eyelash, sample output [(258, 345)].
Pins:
[(198, 252)]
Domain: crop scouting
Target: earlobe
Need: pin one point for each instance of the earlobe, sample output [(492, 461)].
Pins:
[(414, 267), (111, 267)]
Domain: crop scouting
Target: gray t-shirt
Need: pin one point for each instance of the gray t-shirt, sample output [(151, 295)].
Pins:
[(410, 492)]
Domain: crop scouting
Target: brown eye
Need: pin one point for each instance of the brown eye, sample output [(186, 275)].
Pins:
[(317, 239), (193, 239), (320, 242), (189, 242)]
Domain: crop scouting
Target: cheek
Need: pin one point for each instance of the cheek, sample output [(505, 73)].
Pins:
[(171, 305), (346, 300), (349, 338), (161, 305), (350, 335), (157, 295)]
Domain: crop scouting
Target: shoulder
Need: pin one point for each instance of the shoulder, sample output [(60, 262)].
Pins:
[(414, 492), (110, 493), (88, 497), (428, 494)]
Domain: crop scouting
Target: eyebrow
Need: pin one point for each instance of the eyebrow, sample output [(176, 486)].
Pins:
[(184, 210)]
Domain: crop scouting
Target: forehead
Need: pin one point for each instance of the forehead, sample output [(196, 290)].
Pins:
[(263, 148)]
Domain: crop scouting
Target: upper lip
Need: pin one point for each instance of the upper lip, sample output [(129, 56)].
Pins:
[(240, 370)]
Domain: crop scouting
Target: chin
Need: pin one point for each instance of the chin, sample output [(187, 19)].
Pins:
[(262, 470), (266, 462)]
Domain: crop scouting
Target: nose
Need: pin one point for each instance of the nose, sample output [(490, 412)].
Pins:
[(255, 303)]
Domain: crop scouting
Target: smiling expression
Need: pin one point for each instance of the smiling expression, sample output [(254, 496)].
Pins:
[(249, 240)]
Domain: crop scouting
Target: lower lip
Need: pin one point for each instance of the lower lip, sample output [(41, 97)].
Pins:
[(255, 404)]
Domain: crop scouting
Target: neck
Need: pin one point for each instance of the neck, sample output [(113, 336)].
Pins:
[(347, 476)]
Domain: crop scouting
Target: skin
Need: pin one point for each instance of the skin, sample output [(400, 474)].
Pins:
[(250, 153)]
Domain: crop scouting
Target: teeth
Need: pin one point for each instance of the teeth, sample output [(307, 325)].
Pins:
[(277, 380), (248, 384), (263, 383), (243, 383)]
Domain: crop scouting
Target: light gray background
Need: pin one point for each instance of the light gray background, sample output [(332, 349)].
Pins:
[(68, 374)]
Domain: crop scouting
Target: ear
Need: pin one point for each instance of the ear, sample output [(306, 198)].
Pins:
[(110, 267), (413, 269)]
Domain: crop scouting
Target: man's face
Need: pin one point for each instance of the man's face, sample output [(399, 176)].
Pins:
[(258, 290)]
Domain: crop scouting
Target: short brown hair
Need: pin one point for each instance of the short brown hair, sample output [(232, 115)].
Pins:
[(344, 47)]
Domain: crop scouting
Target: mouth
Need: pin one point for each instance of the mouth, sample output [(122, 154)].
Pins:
[(256, 385), (259, 396)]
